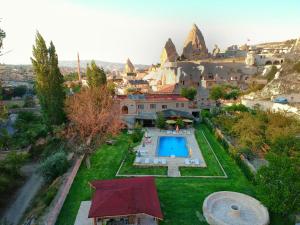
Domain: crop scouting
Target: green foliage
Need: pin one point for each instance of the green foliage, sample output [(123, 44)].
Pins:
[(236, 108), (160, 121), (72, 76), (188, 93), (296, 67), (180, 123), (49, 82), (111, 86), (216, 92), (279, 184), (19, 91), (54, 166), (29, 128), (95, 75), (205, 113), (10, 170), (50, 194), (249, 130), (137, 133), (271, 74), (5, 139)]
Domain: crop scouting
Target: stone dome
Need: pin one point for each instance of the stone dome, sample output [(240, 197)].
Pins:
[(233, 208)]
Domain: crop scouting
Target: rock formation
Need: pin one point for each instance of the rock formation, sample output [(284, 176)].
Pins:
[(169, 53), (129, 68), (194, 46)]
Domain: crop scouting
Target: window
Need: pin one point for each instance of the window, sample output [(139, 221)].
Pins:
[(177, 105), (164, 106), (182, 105), (140, 106), (152, 106)]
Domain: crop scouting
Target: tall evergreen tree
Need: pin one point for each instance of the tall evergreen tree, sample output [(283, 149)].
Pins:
[(49, 81), (95, 75)]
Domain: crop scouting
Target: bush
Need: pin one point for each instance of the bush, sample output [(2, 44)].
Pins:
[(236, 107), (137, 134), (51, 192), (180, 123), (188, 93), (10, 170), (28, 129), (160, 121), (54, 166)]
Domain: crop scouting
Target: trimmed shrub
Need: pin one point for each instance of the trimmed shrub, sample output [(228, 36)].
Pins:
[(54, 166)]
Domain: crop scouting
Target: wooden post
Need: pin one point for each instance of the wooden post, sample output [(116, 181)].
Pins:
[(95, 221)]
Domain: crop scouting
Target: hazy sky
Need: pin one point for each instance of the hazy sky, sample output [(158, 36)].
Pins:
[(112, 30)]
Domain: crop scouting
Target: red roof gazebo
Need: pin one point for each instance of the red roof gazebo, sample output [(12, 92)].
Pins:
[(130, 199)]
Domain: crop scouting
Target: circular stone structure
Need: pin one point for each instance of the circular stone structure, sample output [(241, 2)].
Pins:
[(233, 208)]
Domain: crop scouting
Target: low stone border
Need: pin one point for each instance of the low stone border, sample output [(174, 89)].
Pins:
[(53, 215)]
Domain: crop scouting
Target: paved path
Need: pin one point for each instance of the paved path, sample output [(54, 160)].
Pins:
[(173, 170), (24, 196)]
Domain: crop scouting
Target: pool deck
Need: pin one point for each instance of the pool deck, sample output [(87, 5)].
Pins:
[(147, 151)]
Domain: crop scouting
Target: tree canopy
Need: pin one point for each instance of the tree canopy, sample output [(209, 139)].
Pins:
[(49, 81), (188, 93), (279, 184), (95, 75)]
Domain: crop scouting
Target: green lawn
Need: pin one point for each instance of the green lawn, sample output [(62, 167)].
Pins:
[(181, 198), (213, 168), (128, 168)]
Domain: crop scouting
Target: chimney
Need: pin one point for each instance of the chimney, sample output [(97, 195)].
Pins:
[(78, 67)]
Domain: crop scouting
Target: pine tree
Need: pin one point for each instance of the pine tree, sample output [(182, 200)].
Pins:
[(49, 81), (95, 75)]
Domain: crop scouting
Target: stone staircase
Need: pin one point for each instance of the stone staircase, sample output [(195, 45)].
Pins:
[(173, 170)]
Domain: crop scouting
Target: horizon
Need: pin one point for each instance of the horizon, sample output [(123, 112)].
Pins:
[(116, 30)]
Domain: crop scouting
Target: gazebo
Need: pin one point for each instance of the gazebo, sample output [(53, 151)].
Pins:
[(125, 201)]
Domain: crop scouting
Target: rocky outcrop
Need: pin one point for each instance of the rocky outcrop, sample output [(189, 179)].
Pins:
[(129, 68), (194, 46), (169, 53)]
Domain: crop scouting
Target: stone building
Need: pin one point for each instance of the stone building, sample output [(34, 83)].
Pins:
[(144, 107)]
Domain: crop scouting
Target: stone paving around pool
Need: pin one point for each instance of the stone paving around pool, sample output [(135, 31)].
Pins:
[(147, 151)]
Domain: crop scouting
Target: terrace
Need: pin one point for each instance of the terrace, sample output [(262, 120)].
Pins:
[(147, 153)]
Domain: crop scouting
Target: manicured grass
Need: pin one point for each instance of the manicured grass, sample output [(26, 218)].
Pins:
[(181, 198), (129, 169), (213, 168)]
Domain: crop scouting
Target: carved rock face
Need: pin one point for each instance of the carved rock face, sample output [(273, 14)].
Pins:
[(194, 46), (169, 53), (129, 68)]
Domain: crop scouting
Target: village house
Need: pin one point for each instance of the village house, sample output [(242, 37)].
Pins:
[(144, 107)]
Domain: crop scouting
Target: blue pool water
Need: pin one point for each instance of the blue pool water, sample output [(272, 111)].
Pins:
[(168, 146)]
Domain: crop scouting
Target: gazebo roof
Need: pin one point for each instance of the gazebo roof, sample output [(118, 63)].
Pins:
[(123, 197)]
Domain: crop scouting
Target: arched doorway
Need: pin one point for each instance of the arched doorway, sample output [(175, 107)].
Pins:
[(124, 109), (268, 63)]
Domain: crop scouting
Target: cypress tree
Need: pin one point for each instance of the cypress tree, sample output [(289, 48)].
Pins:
[(95, 75), (49, 81)]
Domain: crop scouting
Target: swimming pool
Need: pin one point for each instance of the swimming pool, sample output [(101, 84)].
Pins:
[(168, 146)]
